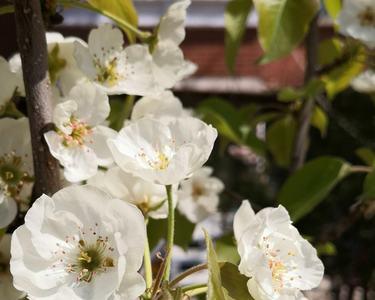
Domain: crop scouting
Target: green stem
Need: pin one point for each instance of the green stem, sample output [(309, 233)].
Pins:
[(187, 273), (170, 235), (361, 169), (148, 266), (141, 34), (194, 290)]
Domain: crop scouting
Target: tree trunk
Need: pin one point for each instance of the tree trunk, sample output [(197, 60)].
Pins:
[(33, 49)]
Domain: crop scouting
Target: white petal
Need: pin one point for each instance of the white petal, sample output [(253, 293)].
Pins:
[(8, 82), (243, 217), (62, 114), (8, 210), (99, 144), (84, 60)]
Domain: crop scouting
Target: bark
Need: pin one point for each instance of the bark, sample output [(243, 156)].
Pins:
[(301, 139), (33, 49)]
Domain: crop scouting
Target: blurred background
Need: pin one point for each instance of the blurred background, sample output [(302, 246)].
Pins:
[(343, 235)]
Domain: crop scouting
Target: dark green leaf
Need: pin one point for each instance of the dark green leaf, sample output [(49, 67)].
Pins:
[(236, 14), (330, 50), (367, 155), (234, 283), (369, 186), (307, 187)]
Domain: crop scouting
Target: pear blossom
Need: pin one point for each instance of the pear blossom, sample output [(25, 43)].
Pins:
[(79, 141), (199, 195), (7, 291), (364, 82), (79, 244), (163, 153), (116, 69), (9, 83), (278, 261), (150, 198), (16, 167), (357, 19), (160, 105), (169, 65)]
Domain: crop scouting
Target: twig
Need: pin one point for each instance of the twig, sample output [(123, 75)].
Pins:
[(300, 142), (33, 49), (187, 273)]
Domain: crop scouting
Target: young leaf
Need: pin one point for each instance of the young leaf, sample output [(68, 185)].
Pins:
[(234, 283), (329, 51), (280, 138), (366, 155), (283, 24), (333, 7), (226, 249), (122, 10), (319, 120), (215, 290), (306, 188), (236, 14)]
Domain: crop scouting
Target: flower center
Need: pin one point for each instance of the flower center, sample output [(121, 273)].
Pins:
[(85, 259), (12, 177), (277, 270), (79, 132), (161, 163), (367, 17), (107, 73)]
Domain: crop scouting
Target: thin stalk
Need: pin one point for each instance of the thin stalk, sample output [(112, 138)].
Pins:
[(170, 234), (361, 169), (196, 291), (139, 33), (148, 266), (187, 273), (193, 287)]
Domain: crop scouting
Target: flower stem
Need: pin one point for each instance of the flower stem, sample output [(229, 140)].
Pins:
[(148, 265), (187, 273), (170, 235), (361, 169), (194, 290)]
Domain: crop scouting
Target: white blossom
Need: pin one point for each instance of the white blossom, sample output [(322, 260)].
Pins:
[(169, 65), (164, 104), (364, 82), (9, 83), (357, 19), (7, 291), (278, 261), (199, 195), (163, 153), (16, 167), (79, 142), (150, 198), (80, 244), (116, 69)]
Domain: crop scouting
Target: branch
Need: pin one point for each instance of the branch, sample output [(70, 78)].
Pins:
[(33, 49), (301, 138)]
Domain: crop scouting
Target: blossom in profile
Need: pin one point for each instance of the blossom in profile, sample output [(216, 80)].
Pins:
[(7, 291), (279, 262), (364, 82), (357, 19), (117, 70), (163, 153), (149, 197), (164, 104), (79, 244), (199, 195), (79, 141), (16, 167), (169, 65)]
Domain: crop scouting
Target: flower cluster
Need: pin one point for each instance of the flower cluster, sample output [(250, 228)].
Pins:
[(89, 240)]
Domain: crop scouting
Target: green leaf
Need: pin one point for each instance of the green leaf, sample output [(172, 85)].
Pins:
[(234, 283), (326, 249), (311, 89), (6, 9), (236, 14), (215, 290), (283, 24), (319, 120), (157, 230), (333, 7), (367, 155), (329, 51), (226, 249), (118, 10), (307, 187), (339, 78), (280, 139), (369, 186)]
